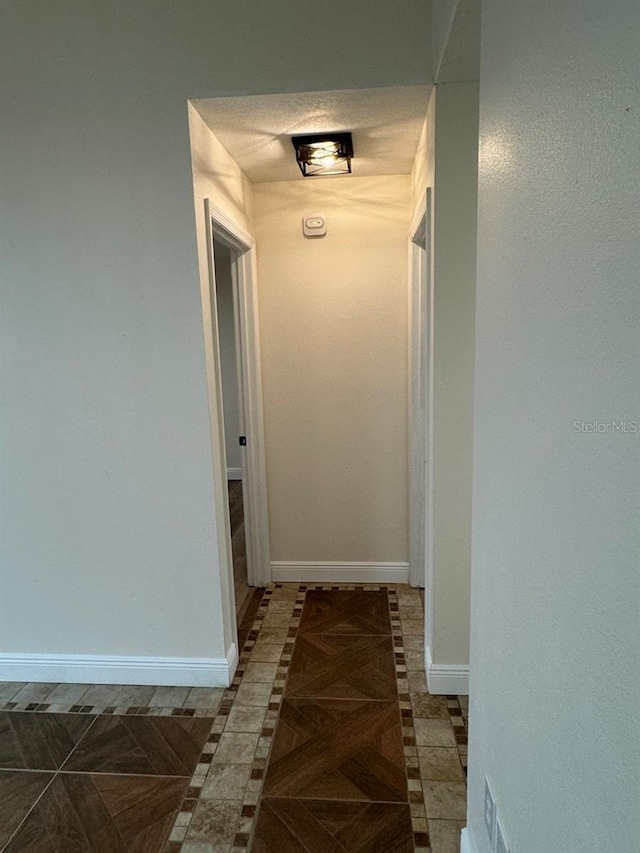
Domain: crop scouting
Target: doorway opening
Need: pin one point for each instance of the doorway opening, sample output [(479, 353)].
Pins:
[(245, 560), (231, 377)]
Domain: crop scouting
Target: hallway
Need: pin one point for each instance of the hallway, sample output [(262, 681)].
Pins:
[(236, 773)]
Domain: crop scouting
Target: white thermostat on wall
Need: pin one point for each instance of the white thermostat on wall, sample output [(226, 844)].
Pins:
[(314, 225)]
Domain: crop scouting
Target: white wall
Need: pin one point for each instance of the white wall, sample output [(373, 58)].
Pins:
[(443, 14), (228, 357), (334, 360), (456, 60), (217, 177), (455, 200), (556, 558), (107, 542), (423, 171), (446, 161)]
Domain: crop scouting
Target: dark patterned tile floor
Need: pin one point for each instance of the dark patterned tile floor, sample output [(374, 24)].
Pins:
[(163, 746), (31, 741), (332, 826), (18, 793), (129, 780), (343, 666), (338, 749), (336, 778), (101, 814), (346, 612), (317, 667)]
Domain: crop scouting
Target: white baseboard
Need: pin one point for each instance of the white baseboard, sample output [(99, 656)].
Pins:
[(102, 669), (467, 844), (316, 572), (234, 473), (444, 679)]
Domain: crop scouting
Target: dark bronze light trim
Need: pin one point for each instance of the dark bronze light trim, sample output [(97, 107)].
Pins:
[(320, 154)]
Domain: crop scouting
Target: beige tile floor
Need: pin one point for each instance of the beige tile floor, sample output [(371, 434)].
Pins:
[(112, 698)]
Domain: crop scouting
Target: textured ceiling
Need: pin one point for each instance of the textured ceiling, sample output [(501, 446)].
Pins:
[(256, 130)]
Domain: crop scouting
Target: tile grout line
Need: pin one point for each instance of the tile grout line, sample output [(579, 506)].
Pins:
[(82, 737)]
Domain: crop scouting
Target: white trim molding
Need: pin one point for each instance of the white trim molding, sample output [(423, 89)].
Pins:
[(467, 844), (103, 669), (234, 473), (336, 572), (446, 679), (232, 660)]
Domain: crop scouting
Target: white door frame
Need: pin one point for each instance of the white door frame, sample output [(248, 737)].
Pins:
[(245, 295), (421, 308)]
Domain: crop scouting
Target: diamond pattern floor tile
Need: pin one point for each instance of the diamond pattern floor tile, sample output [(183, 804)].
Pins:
[(18, 792), (345, 612), (338, 749), (329, 826), (166, 746), (81, 813), (29, 740), (343, 666), (336, 778)]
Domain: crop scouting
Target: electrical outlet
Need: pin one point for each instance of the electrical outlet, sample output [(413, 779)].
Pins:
[(502, 845), (489, 811)]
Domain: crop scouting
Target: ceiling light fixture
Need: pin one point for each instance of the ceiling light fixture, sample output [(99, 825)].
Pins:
[(324, 153)]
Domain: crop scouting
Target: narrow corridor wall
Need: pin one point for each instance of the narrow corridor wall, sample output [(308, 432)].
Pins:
[(334, 346), (447, 161), (555, 681), (455, 211), (219, 179)]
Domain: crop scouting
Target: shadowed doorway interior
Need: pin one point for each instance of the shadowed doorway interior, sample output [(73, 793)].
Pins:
[(229, 368)]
